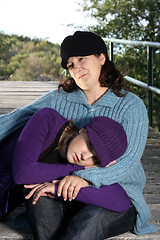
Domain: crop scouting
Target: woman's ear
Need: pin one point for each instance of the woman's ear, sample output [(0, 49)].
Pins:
[(102, 58)]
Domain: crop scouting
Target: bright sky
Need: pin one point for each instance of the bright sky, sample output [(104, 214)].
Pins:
[(46, 19)]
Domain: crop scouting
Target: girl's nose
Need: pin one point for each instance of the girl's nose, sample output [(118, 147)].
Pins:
[(86, 155)]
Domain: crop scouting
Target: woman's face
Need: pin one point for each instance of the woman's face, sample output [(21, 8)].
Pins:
[(80, 150), (86, 70)]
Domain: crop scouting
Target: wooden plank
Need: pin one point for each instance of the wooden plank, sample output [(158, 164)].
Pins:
[(19, 94), (152, 168), (149, 160)]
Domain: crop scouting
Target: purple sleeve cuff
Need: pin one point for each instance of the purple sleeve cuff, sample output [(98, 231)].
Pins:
[(111, 197)]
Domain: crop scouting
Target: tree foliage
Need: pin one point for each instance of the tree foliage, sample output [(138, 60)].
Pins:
[(25, 59), (127, 19), (130, 20)]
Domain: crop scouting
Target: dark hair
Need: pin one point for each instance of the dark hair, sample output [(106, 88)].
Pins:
[(69, 132), (109, 77)]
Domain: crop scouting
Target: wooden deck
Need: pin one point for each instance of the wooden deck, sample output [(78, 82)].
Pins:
[(18, 94)]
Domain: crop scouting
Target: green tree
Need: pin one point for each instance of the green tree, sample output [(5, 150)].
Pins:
[(25, 59), (127, 19), (130, 20)]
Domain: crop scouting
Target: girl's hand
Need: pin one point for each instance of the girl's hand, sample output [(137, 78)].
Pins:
[(111, 163), (91, 166), (69, 187), (45, 189)]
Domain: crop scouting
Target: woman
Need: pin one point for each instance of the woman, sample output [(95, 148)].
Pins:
[(96, 88), (50, 149)]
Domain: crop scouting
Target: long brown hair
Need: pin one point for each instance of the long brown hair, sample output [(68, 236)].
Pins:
[(109, 77)]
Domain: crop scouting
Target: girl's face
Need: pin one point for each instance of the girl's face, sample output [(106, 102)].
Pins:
[(80, 151), (86, 70)]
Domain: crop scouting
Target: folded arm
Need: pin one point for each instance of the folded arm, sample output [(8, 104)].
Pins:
[(111, 197), (135, 123), (36, 134), (10, 122)]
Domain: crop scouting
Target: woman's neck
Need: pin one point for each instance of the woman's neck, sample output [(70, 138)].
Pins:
[(94, 96)]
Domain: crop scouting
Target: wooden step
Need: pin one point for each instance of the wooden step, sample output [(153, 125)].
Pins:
[(18, 94)]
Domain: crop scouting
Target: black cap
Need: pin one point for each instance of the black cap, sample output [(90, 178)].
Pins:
[(81, 43)]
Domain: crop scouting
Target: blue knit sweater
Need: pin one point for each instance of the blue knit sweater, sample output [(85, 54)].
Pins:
[(129, 111)]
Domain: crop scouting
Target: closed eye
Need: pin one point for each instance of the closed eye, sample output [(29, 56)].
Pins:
[(90, 147), (95, 157)]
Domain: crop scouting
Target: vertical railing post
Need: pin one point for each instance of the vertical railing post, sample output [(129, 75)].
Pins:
[(111, 51), (150, 82)]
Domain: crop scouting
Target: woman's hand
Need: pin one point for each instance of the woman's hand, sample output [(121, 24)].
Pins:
[(69, 187), (45, 189)]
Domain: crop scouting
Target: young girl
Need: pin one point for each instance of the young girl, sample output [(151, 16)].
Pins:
[(49, 147)]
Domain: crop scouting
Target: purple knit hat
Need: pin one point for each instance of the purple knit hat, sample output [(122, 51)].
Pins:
[(108, 138)]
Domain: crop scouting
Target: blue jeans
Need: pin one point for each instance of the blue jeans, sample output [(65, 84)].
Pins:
[(58, 220)]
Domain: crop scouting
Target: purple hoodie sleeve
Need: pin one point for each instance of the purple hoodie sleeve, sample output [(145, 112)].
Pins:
[(112, 197), (36, 136)]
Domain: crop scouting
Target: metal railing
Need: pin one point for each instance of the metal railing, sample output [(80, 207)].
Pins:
[(149, 85)]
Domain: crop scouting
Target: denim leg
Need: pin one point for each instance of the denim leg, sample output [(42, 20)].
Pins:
[(56, 220), (45, 217), (121, 222), (96, 223)]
